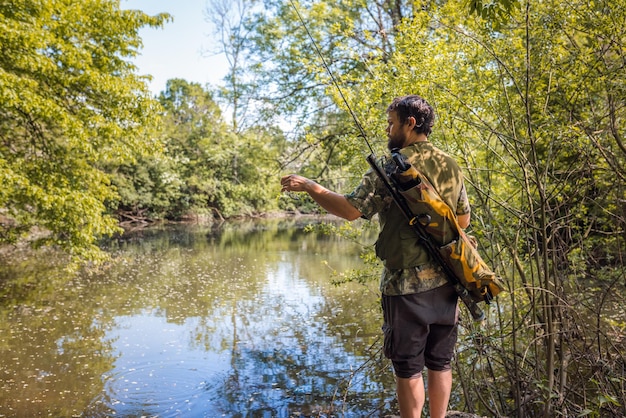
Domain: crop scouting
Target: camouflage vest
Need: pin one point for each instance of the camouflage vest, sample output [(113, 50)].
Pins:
[(408, 266)]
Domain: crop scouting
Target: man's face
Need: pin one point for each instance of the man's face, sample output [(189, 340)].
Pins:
[(397, 133)]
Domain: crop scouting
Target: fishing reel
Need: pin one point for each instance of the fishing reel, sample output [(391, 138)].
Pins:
[(403, 174)]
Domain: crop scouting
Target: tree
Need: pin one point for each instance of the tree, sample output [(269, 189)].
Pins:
[(294, 87), (173, 184), (230, 22), (195, 134), (206, 169), (69, 102)]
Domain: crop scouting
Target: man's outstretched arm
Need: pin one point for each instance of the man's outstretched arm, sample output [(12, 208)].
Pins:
[(332, 202)]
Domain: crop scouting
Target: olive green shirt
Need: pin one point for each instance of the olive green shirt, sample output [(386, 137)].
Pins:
[(418, 272)]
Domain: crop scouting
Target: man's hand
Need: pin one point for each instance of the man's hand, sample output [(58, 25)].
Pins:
[(294, 183)]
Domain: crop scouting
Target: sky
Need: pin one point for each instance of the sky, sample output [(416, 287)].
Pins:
[(179, 49)]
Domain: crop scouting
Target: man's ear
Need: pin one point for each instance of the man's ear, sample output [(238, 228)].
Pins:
[(411, 122)]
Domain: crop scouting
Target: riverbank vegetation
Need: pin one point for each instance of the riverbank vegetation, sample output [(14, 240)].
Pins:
[(530, 99)]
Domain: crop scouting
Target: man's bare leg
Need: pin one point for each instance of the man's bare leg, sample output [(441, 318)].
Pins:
[(439, 388), (410, 396)]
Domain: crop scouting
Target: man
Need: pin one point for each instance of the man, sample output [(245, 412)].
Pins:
[(419, 306)]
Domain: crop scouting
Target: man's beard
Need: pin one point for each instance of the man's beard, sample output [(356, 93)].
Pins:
[(397, 141)]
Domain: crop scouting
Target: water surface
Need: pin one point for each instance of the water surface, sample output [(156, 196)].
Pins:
[(192, 322)]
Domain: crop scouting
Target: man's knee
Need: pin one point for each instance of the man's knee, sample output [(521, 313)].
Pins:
[(439, 364)]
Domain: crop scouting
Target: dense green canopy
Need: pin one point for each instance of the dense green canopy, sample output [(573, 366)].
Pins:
[(70, 101)]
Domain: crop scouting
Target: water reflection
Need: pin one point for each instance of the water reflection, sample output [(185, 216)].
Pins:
[(189, 322)]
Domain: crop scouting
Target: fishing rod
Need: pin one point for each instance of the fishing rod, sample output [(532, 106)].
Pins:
[(416, 223)]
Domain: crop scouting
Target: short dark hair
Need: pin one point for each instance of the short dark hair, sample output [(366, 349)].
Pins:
[(414, 105)]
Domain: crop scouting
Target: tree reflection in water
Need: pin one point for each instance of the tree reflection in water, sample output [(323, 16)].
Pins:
[(243, 322)]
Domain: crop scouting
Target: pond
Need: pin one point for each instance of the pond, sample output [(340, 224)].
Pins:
[(186, 321)]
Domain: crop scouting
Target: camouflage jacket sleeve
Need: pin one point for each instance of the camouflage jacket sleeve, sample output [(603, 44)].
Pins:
[(369, 197)]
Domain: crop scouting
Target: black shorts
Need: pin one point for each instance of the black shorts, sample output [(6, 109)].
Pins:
[(420, 330)]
